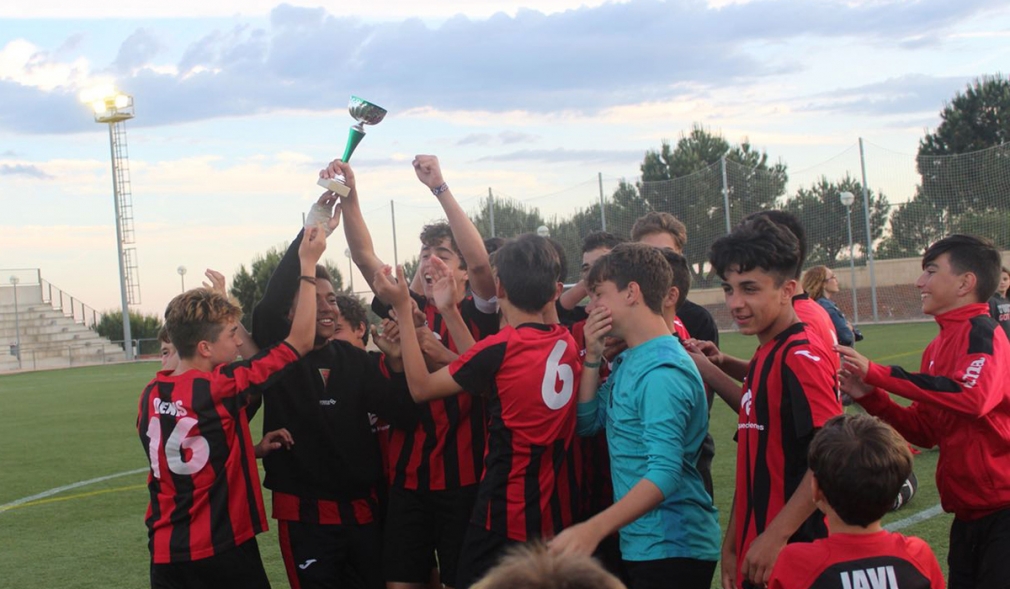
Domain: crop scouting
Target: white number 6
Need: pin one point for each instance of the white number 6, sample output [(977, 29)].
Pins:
[(554, 371), (178, 441)]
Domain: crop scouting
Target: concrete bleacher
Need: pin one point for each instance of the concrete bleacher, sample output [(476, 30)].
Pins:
[(49, 338)]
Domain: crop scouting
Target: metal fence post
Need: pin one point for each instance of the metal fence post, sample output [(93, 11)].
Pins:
[(725, 192), (490, 208), (603, 209), (392, 218), (869, 237)]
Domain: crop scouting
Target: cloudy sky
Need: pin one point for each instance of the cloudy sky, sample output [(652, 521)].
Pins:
[(239, 103)]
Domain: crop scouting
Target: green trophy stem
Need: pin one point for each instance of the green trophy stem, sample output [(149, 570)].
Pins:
[(353, 139)]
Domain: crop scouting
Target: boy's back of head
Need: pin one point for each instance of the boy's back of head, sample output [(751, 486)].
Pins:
[(659, 222), (757, 243), (562, 258), (639, 263), (528, 268), (681, 274), (968, 253), (198, 315), (790, 222), (860, 464), (530, 566)]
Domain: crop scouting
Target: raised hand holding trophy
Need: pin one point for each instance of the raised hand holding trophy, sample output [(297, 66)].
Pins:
[(365, 113)]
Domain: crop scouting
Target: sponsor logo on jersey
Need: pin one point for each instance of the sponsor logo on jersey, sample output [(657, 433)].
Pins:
[(973, 372), (327, 402), (746, 402), (808, 355)]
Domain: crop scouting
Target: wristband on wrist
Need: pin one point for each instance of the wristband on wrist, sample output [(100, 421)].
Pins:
[(596, 364), (440, 189), (309, 279)]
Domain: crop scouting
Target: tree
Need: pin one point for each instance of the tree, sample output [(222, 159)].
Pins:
[(687, 181), (142, 327), (965, 168), (511, 218), (248, 286), (823, 217)]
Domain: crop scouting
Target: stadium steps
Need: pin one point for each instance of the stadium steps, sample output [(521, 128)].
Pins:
[(49, 339)]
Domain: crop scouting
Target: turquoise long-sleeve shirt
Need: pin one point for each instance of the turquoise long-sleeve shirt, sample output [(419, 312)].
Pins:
[(655, 413)]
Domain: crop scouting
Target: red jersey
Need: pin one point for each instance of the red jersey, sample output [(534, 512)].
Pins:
[(962, 404), (446, 449), (789, 392), (817, 319), (882, 560), (205, 490), (528, 375)]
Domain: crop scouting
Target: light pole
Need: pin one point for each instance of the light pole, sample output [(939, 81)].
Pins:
[(182, 276), (17, 322), (543, 231), (847, 199), (350, 269), (113, 108)]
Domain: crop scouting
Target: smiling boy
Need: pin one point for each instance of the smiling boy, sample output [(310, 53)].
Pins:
[(789, 391), (961, 404)]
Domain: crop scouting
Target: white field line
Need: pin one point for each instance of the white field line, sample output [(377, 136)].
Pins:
[(58, 490), (914, 519)]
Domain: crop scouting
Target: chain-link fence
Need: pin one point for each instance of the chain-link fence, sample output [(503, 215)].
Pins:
[(899, 205)]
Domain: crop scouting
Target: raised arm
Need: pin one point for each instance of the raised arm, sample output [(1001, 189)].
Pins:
[(424, 385), (303, 326), (590, 413), (246, 347), (467, 238), (359, 240), (444, 291)]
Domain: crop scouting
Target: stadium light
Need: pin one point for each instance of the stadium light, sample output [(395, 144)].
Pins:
[(17, 322), (182, 276), (112, 107), (847, 198), (543, 231)]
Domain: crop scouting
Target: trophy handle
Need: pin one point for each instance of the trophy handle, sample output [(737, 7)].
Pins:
[(357, 133)]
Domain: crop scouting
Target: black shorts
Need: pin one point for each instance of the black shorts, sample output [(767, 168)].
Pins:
[(482, 549), (421, 524), (978, 552), (238, 568), (686, 573), (331, 556)]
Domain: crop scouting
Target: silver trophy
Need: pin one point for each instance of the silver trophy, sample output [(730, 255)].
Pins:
[(365, 113)]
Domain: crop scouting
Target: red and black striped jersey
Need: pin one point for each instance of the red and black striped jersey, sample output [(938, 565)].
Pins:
[(527, 376), (205, 490), (790, 391), (446, 448), (848, 561), (288, 507), (819, 322)]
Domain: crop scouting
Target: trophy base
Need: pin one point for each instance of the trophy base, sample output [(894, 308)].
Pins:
[(334, 186)]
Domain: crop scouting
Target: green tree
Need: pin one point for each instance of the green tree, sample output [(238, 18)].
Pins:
[(824, 217), (142, 327), (686, 180), (511, 218), (248, 286), (964, 167)]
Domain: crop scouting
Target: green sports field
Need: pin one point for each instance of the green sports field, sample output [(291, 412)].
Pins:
[(74, 429)]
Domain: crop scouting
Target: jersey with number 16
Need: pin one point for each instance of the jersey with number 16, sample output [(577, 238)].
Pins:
[(204, 487)]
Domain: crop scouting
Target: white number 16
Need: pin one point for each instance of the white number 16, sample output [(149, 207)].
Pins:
[(178, 441)]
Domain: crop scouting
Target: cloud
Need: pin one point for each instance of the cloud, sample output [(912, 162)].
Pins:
[(585, 60), (503, 138), (561, 155), (904, 95), (24, 170)]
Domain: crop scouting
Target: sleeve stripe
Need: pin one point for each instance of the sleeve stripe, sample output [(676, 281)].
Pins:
[(940, 384), (981, 335)]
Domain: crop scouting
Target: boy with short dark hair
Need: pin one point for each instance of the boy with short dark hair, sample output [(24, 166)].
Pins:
[(526, 374), (789, 391), (654, 410), (859, 464), (960, 403), (206, 506)]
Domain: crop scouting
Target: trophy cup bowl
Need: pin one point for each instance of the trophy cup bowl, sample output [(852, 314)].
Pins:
[(365, 113)]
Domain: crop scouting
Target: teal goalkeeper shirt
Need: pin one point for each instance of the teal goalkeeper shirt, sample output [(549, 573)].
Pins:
[(656, 415)]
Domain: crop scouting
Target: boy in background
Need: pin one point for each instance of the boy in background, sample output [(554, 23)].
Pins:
[(859, 464)]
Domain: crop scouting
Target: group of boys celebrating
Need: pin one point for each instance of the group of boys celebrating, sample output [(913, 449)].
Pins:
[(494, 415)]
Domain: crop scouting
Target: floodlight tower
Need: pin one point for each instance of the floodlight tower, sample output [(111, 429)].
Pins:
[(115, 108)]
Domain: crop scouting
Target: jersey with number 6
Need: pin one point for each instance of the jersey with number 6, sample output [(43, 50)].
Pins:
[(529, 376), (205, 490)]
